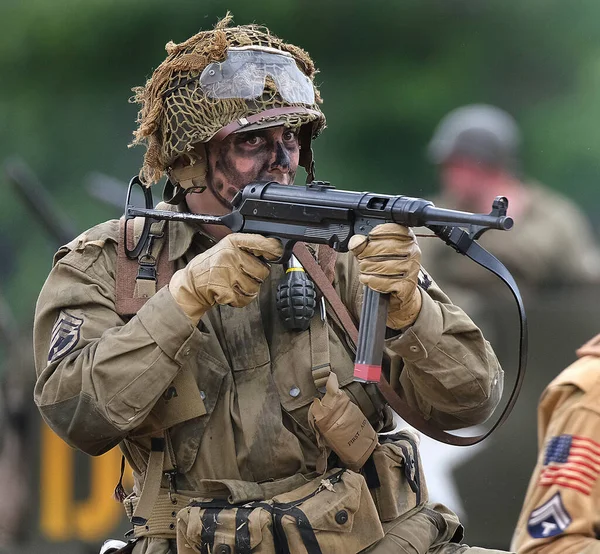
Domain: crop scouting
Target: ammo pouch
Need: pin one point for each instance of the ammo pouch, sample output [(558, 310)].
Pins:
[(333, 514), (395, 476)]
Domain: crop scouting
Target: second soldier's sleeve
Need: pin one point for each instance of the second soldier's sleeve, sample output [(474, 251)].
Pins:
[(561, 512)]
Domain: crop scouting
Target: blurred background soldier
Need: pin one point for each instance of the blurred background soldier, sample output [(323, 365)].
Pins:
[(561, 512), (477, 150)]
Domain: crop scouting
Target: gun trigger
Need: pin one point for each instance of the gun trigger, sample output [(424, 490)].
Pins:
[(288, 246)]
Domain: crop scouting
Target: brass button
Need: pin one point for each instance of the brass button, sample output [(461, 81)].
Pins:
[(341, 517), (414, 348)]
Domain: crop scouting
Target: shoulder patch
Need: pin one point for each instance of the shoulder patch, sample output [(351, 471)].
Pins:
[(571, 461), (549, 520), (65, 335)]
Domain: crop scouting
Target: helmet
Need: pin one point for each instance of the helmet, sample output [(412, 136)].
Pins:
[(218, 82), (480, 132)]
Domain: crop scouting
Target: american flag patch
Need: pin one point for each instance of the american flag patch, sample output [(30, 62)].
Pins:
[(571, 461)]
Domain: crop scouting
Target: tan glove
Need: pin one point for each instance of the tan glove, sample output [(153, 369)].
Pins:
[(389, 260), (228, 273)]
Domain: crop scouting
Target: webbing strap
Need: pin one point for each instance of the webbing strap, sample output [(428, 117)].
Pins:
[(152, 481), (209, 528), (242, 531), (319, 352), (132, 291)]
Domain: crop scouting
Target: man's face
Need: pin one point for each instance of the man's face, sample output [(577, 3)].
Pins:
[(263, 155), (465, 181)]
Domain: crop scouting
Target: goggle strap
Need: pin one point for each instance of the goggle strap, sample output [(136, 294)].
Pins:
[(238, 124)]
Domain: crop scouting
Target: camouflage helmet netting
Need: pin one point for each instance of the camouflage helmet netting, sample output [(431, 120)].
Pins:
[(170, 124)]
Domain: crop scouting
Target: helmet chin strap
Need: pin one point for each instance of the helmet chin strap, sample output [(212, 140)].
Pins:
[(306, 154), (220, 198)]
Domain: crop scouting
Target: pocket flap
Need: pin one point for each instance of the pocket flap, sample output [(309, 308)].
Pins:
[(334, 510)]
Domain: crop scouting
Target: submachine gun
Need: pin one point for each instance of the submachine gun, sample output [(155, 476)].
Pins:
[(319, 213)]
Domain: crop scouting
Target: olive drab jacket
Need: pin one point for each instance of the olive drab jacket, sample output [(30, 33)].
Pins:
[(104, 380), (561, 512)]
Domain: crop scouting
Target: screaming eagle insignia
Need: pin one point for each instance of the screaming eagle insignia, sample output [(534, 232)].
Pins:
[(65, 336)]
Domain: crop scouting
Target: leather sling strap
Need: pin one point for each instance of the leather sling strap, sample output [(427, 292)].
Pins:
[(406, 412), (319, 330)]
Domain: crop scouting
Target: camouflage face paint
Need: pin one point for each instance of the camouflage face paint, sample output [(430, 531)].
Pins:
[(263, 155)]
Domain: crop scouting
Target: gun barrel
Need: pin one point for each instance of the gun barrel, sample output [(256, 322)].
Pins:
[(431, 215)]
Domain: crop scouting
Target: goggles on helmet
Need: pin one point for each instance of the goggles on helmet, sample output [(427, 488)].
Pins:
[(244, 71)]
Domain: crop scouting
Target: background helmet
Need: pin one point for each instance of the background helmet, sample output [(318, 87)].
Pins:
[(226, 80), (479, 132)]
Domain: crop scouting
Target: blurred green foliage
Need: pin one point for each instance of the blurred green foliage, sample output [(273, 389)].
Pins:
[(390, 70)]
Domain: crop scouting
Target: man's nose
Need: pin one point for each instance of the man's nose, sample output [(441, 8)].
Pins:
[(281, 159)]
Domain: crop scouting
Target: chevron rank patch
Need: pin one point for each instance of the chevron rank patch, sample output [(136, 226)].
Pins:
[(550, 519), (65, 335)]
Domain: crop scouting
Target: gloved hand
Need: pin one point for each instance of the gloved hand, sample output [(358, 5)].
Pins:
[(389, 259), (228, 273)]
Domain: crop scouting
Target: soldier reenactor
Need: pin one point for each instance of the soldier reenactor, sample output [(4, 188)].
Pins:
[(233, 424), (477, 150)]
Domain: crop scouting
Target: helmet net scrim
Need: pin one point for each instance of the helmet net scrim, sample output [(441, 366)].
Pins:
[(176, 113)]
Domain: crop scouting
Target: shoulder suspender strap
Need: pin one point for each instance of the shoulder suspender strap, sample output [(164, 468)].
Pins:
[(152, 481), (319, 352), (138, 280)]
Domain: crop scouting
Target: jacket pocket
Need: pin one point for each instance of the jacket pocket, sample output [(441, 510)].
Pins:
[(395, 476), (339, 513), (186, 436)]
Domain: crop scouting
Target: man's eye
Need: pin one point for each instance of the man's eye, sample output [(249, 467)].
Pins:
[(253, 140), (290, 135)]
